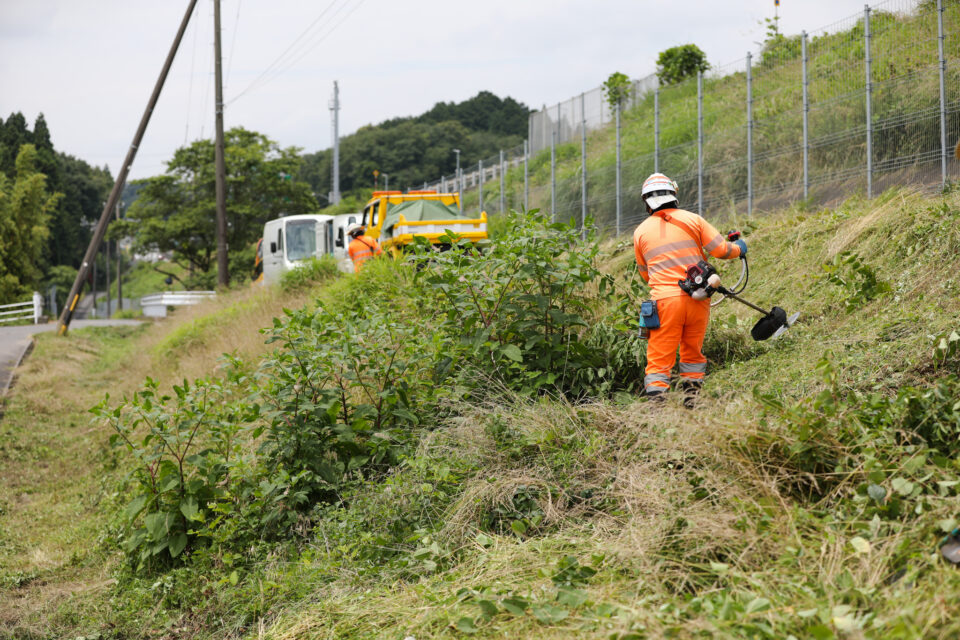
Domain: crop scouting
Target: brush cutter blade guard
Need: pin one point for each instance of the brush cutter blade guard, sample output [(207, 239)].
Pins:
[(770, 325)]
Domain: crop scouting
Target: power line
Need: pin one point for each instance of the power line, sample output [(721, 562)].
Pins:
[(317, 42), (193, 57), (280, 57), (233, 42), (274, 70)]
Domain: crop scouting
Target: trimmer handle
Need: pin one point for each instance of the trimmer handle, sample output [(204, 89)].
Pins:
[(733, 236)]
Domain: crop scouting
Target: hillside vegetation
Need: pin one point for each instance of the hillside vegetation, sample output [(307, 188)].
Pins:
[(465, 453), (906, 126), (416, 149)]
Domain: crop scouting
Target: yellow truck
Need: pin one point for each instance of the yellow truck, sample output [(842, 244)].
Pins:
[(394, 218)]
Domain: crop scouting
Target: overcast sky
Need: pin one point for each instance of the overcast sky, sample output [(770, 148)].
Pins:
[(89, 65)]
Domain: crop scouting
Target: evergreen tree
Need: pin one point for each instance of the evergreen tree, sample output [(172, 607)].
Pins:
[(25, 208)]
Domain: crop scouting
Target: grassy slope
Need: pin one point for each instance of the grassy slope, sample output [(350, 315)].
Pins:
[(700, 529), (903, 85), (690, 523), (59, 480)]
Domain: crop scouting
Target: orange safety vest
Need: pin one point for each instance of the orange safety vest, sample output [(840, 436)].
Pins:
[(361, 250), (671, 240)]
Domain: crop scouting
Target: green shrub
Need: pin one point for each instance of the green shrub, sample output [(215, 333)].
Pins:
[(345, 393), (522, 310), (184, 448), (858, 279), (309, 273)]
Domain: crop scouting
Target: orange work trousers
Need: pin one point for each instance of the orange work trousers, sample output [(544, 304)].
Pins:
[(683, 323)]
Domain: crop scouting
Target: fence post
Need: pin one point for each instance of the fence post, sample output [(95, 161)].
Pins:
[(656, 130), (806, 116), (559, 126), (443, 184), (617, 116), (526, 177), (503, 198), (583, 167), (943, 95), (458, 182), (749, 133), (700, 142), (866, 52), (553, 176), (37, 307), (480, 187)]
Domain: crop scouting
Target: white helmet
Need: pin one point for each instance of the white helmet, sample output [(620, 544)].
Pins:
[(354, 228), (658, 190)]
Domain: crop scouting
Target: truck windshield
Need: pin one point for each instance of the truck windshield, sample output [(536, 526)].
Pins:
[(301, 239)]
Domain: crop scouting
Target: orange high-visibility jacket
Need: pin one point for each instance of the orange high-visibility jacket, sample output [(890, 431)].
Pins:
[(671, 240), (362, 249)]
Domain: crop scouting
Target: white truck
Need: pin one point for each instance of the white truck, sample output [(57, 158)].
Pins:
[(289, 241)]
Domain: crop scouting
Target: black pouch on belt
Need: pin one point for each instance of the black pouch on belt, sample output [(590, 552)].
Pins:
[(648, 314)]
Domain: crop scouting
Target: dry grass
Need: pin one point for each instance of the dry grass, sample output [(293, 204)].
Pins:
[(185, 344), (52, 484)]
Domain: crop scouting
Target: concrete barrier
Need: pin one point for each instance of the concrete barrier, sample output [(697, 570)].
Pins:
[(155, 305)]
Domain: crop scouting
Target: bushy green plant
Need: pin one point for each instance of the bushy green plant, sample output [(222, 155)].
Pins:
[(309, 273), (345, 393), (857, 278), (616, 89), (183, 447), (678, 63), (520, 309)]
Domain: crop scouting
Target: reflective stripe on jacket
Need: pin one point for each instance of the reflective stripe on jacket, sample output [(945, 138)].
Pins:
[(362, 249), (671, 240)]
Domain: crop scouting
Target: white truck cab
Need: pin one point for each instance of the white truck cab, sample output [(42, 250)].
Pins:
[(289, 241)]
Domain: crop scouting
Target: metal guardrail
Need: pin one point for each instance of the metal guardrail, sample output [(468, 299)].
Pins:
[(30, 310), (155, 305)]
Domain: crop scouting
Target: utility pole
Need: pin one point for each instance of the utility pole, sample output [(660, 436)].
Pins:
[(335, 111), (459, 188), (223, 274), (119, 267), (88, 259)]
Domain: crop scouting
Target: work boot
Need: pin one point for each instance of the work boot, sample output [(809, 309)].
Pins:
[(691, 392), (656, 398)]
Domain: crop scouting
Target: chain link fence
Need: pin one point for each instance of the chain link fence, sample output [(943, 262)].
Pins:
[(866, 103)]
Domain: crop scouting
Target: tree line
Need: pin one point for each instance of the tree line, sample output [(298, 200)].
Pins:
[(417, 149), (49, 202)]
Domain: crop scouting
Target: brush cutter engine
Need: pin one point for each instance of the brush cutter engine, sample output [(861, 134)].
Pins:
[(701, 281)]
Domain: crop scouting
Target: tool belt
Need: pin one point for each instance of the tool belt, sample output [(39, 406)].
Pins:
[(649, 318)]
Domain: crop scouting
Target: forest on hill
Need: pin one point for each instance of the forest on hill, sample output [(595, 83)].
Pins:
[(419, 148)]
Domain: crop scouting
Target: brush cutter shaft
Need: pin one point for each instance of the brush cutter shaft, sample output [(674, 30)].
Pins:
[(730, 294)]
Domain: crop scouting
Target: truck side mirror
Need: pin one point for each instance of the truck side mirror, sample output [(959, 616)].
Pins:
[(273, 247)]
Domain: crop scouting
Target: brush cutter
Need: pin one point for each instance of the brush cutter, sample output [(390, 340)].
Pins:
[(703, 281)]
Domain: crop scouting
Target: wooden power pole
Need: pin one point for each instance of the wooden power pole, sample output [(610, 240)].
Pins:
[(101, 228), (223, 273)]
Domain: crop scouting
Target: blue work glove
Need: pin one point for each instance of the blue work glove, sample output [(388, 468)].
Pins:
[(743, 247)]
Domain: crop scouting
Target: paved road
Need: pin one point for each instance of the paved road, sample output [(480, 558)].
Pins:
[(14, 342)]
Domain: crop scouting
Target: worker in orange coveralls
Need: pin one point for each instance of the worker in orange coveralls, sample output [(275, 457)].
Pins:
[(361, 248), (666, 244)]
